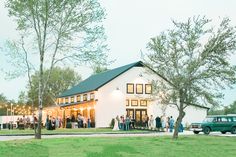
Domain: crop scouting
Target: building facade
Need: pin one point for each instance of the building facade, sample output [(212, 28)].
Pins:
[(126, 90)]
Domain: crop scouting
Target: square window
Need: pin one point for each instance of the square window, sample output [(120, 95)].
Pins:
[(127, 102), (139, 88), (66, 100), (72, 99), (85, 97), (78, 98), (148, 89), (92, 96), (143, 102), (134, 102), (130, 88)]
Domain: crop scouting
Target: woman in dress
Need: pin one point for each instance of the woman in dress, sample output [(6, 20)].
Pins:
[(163, 122), (116, 125), (151, 122)]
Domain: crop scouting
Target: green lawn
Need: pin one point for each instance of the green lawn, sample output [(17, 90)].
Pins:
[(65, 131), (189, 146)]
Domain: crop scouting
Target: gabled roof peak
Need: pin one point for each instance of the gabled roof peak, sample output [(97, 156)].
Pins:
[(94, 82)]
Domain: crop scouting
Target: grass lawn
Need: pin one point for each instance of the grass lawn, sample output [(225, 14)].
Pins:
[(189, 146), (64, 131)]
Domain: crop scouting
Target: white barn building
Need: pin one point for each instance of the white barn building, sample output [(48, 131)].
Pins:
[(122, 91)]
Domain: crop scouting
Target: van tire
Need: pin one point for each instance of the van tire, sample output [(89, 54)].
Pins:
[(206, 130), (233, 130)]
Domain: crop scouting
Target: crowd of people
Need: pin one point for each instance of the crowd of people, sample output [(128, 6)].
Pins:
[(78, 122), (52, 123), (123, 123), (162, 123), (26, 122)]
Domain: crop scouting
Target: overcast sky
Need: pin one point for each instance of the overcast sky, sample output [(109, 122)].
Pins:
[(129, 26)]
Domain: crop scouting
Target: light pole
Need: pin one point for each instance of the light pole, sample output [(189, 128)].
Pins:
[(12, 119)]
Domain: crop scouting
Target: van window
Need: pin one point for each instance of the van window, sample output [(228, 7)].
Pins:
[(234, 119), (224, 119)]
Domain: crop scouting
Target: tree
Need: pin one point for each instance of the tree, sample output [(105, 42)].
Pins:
[(231, 109), (3, 102), (194, 59), (61, 79), (99, 69), (55, 32)]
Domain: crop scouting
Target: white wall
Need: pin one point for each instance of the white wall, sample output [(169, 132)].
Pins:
[(112, 102), (192, 113)]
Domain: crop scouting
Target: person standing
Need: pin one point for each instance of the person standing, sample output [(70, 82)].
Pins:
[(47, 122), (172, 121), (89, 122), (57, 122), (116, 125), (127, 122), (163, 122), (158, 123), (121, 122), (151, 122)]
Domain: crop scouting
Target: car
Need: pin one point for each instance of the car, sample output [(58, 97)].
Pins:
[(221, 123)]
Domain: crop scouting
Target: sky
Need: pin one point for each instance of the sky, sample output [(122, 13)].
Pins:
[(129, 25)]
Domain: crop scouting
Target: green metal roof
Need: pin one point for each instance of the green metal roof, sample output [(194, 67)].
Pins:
[(94, 82)]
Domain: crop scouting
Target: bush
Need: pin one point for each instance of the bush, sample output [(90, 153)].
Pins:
[(112, 123)]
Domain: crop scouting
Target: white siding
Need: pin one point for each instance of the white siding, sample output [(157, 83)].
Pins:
[(111, 99)]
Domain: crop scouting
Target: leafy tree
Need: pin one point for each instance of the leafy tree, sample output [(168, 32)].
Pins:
[(60, 80), (3, 102), (55, 32), (194, 58), (99, 69), (22, 98), (231, 109)]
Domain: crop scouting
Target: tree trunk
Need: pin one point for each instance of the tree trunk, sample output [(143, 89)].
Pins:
[(177, 123), (180, 117), (40, 97)]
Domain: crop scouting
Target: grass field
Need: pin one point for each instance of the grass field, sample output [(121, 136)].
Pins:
[(189, 146), (65, 131)]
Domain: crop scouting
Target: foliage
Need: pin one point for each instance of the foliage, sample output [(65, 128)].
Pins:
[(231, 109), (99, 69), (3, 102), (61, 79), (194, 57), (112, 123), (55, 32)]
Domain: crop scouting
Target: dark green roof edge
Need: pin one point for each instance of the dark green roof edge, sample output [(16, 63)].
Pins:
[(126, 68)]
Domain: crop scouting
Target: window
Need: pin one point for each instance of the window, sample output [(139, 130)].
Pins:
[(127, 102), (72, 99), (66, 100), (234, 119), (130, 88), (59, 101), (134, 102), (92, 96), (148, 89), (78, 98), (143, 102), (85, 97), (224, 119), (139, 88)]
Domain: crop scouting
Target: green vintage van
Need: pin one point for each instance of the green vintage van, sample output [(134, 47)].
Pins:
[(222, 123)]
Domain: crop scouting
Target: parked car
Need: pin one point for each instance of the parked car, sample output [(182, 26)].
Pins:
[(222, 123)]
